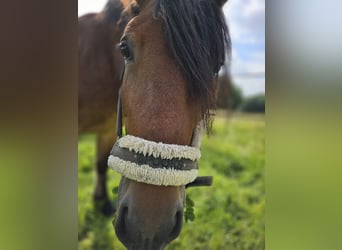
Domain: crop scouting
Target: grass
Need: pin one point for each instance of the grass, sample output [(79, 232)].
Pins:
[(229, 215)]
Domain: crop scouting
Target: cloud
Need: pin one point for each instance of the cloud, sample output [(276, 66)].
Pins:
[(246, 21), (254, 8), (248, 74)]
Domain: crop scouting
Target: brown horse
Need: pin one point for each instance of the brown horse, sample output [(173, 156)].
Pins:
[(100, 67), (100, 64), (173, 50)]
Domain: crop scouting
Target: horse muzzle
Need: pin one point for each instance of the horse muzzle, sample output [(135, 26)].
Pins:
[(149, 216)]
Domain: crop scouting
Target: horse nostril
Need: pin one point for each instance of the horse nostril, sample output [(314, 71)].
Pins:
[(178, 225)]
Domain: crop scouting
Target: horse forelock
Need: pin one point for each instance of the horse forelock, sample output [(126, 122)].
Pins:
[(198, 38)]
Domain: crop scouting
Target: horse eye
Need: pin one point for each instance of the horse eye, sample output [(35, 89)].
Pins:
[(126, 51)]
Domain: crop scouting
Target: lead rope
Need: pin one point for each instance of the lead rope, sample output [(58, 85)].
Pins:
[(198, 182)]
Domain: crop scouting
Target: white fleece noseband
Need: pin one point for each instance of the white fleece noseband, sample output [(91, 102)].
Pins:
[(154, 163)]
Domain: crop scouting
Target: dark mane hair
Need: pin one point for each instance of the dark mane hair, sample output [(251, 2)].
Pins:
[(198, 37)]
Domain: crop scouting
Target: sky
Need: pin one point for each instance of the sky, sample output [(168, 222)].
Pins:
[(246, 22)]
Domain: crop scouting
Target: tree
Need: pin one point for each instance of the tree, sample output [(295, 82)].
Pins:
[(255, 103), (229, 96)]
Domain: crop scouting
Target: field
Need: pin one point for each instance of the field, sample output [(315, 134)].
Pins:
[(229, 215)]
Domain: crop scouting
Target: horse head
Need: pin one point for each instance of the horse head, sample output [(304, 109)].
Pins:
[(173, 50)]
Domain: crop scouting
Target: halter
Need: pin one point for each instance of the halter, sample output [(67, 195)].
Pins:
[(156, 163)]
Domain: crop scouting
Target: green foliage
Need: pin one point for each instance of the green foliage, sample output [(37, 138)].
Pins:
[(254, 103), (229, 214), (236, 96), (229, 95), (189, 214), (115, 190), (223, 98)]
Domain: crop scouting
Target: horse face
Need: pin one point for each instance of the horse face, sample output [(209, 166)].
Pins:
[(156, 107)]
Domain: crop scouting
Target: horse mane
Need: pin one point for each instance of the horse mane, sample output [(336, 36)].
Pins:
[(198, 37)]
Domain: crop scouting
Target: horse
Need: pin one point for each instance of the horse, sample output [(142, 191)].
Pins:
[(100, 65), (172, 52)]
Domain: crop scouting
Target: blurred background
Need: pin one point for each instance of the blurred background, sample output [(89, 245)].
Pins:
[(39, 178), (230, 214)]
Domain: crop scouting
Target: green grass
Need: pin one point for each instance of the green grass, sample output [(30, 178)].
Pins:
[(229, 215)]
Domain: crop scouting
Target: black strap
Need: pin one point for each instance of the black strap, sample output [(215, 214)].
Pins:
[(119, 117), (180, 164), (201, 181), (119, 107)]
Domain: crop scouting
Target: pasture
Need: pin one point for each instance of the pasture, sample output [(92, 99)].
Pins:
[(228, 215)]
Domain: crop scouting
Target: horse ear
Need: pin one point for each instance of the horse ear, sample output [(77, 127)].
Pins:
[(221, 2)]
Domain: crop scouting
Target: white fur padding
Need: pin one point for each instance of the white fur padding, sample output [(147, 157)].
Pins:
[(158, 149), (154, 176)]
